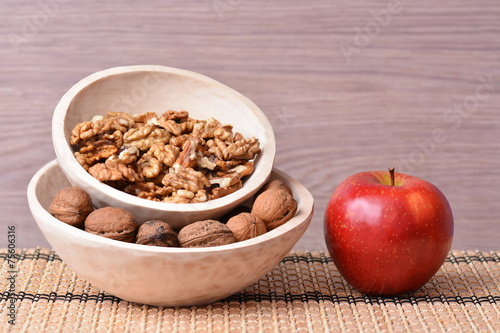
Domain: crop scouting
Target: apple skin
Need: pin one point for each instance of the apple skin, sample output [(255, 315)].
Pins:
[(384, 239)]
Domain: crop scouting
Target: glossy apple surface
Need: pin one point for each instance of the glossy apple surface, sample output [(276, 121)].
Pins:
[(387, 239)]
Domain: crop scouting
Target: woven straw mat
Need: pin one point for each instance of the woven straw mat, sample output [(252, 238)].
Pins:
[(303, 293)]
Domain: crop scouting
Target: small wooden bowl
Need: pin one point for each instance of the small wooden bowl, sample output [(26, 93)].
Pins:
[(160, 275), (138, 89)]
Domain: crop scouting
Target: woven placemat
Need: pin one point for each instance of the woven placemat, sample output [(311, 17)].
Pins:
[(305, 292)]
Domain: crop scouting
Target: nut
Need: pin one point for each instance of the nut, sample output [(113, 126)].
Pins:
[(113, 169), (157, 233), (274, 207), (100, 147), (71, 205), (219, 192), (205, 233), (276, 184), (112, 222), (245, 226), (245, 149), (125, 151)]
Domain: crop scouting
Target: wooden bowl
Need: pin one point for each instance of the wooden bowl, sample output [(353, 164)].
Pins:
[(158, 275), (138, 89)]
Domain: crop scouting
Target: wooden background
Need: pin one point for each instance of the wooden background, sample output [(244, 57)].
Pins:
[(349, 86)]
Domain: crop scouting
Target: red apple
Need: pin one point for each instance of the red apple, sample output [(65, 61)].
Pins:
[(387, 233)]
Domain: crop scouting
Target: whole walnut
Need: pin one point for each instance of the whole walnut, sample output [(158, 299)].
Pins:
[(157, 233), (274, 207), (71, 205), (276, 184), (205, 233), (112, 222), (245, 226)]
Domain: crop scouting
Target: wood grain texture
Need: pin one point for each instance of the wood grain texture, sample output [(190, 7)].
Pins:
[(348, 87)]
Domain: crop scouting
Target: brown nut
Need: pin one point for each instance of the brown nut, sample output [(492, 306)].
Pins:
[(205, 233), (276, 184), (71, 205), (245, 226), (274, 207), (112, 222), (157, 233)]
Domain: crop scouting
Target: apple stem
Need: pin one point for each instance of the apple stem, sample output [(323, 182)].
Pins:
[(391, 171)]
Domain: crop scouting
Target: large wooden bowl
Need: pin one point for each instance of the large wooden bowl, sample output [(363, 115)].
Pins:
[(165, 276)]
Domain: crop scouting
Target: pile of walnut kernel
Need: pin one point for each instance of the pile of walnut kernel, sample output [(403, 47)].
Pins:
[(172, 158), (273, 206)]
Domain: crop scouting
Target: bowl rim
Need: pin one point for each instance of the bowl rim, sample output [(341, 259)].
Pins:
[(64, 151), (304, 214)]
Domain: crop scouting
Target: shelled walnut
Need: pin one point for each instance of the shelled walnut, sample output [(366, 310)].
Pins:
[(173, 152)]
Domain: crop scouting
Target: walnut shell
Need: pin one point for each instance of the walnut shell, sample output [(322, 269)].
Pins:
[(274, 207), (245, 226), (112, 222), (276, 184), (205, 233), (157, 233), (71, 205)]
